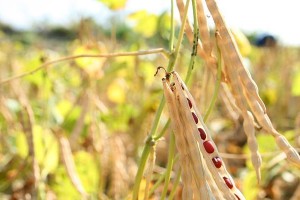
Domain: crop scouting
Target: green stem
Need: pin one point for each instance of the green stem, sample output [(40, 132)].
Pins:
[(157, 118), (195, 42), (146, 149), (140, 171), (149, 174), (217, 87), (194, 4), (171, 43), (175, 185), (149, 142), (157, 183), (161, 178), (169, 166), (162, 132), (174, 56)]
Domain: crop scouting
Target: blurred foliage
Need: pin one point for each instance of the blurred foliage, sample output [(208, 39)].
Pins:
[(105, 107), (114, 4)]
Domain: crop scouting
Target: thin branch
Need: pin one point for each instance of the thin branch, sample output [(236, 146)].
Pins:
[(172, 33), (180, 37), (247, 156), (79, 125), (175, 185), (110, 55), (195, 42), (149, 172), (217, 86), (169, 166), (27, 121)]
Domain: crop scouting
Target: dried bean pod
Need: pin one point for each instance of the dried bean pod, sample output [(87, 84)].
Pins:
[(250, 132)]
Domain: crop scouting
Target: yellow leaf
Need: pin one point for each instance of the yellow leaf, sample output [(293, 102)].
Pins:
[(46, 148), (145, 23), (147, 70), (116, 91), (250, 189), (87, 170), (21, 144), (164, 25), (92, 66), (114, 4), (296, 84), (271, 95), (242, 42)]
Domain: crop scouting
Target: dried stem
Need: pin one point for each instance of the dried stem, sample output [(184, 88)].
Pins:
[(68, 58), (217, 86), (204, 30), (70, 165), (172, 33), (80, 121), (149, 172), (169, 165), (27, 121)]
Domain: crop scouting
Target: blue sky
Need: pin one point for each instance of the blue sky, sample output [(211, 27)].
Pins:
[(280, 17)]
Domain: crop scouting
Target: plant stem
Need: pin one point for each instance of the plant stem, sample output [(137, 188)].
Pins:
[(68, 58), (173, 57), (161, 178), (195, 42), (157, 183), (140, 171), (169, 166), (216, 91), (172, 194), (162, 132), (151, 163), (171, 43), (150, 137)]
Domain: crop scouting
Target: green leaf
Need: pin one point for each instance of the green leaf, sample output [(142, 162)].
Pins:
[(164, 25), (266, 143), (87, 170), (67, 113), (46, 148), (62, 186), (32, 62), (21, 144), (250, 186), (119, 118)]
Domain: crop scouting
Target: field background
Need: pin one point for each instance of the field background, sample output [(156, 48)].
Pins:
[(88, 118)]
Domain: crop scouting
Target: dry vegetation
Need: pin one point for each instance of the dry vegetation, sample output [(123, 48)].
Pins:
[(82, 116)]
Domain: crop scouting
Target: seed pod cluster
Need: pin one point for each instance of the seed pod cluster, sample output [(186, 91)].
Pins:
[(241, 89), (202, 167), (245, 88)]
